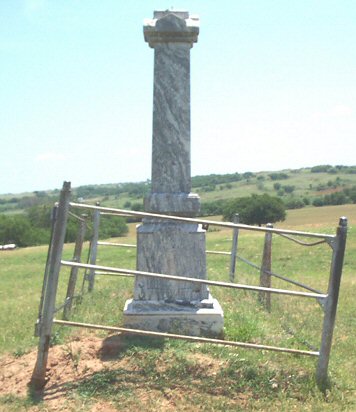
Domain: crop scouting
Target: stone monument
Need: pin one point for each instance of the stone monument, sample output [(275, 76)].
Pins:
[(164, 246)]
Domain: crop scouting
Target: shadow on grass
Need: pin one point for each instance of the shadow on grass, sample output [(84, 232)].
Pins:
[(115, 346)]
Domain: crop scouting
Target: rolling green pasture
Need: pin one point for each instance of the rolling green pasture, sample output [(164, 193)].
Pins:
[(305, 183), (245, 379)]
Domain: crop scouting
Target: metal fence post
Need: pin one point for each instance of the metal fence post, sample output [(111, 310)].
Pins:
[(94, 247), (38, 378), (77, 255), (331, 304), (235, 240), (265, 278)]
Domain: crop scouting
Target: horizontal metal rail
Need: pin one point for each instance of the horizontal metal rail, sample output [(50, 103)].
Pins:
[(194, 280), (212, 252), (115, 214), (185, 337), (200, 221), (217, 252), (116, 244), (99, 272)]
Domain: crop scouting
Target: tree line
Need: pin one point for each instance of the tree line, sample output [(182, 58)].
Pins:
[(34, 226)]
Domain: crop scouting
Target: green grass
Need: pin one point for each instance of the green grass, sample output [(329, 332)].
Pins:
[(201, 376)]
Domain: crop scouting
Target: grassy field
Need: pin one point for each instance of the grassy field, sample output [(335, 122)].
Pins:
[(173, 375)]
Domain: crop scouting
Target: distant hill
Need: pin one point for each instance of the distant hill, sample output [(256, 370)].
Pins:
[(319, 185)]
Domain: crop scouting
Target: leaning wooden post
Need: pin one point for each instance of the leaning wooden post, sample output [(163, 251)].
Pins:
[(265, 277), (94, 247), (338, 247), (45, 277), (38, 378), (77, 255), (235, 240)]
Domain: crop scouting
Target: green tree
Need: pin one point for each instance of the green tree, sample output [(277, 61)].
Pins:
[(288, 188), (112, 226), (256, 209), (18, 229)]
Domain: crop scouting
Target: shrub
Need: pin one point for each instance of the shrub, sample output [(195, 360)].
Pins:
[(256, 209), (294, 204), (278, 176), (289, 188), (318, 202), (321, 169), (215, 207), (18, 229)]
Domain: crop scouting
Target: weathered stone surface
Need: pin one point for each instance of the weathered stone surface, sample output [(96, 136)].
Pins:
[(182, 204), (171, 166), (171, 119), (165, 247), (174, 249), (174, 318), (171, 27)]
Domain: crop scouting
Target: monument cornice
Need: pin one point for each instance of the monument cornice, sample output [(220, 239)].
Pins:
[(171, 27)]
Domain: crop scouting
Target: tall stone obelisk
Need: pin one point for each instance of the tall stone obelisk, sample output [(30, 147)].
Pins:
[(162, 246)]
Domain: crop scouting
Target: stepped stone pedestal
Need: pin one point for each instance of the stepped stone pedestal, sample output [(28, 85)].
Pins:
[(163, 246)]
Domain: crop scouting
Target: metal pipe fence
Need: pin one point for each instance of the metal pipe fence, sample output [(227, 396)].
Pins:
[(54, 262), (207, 223), (122, 271)]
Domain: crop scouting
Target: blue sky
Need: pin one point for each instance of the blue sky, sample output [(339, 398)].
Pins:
[(273, 86)]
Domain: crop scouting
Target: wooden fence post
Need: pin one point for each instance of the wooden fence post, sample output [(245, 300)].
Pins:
[(265, 278), (235, 240), (94, 247), (331, 304), (38, 378), (45, 277), (77, 255)]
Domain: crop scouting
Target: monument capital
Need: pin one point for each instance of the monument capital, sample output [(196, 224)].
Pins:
[(171, 27)]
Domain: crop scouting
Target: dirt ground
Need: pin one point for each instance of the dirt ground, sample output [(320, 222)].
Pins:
[(74, 362), (64, 368)]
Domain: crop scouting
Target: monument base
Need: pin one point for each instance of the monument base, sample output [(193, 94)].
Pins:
[(205, 318)]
